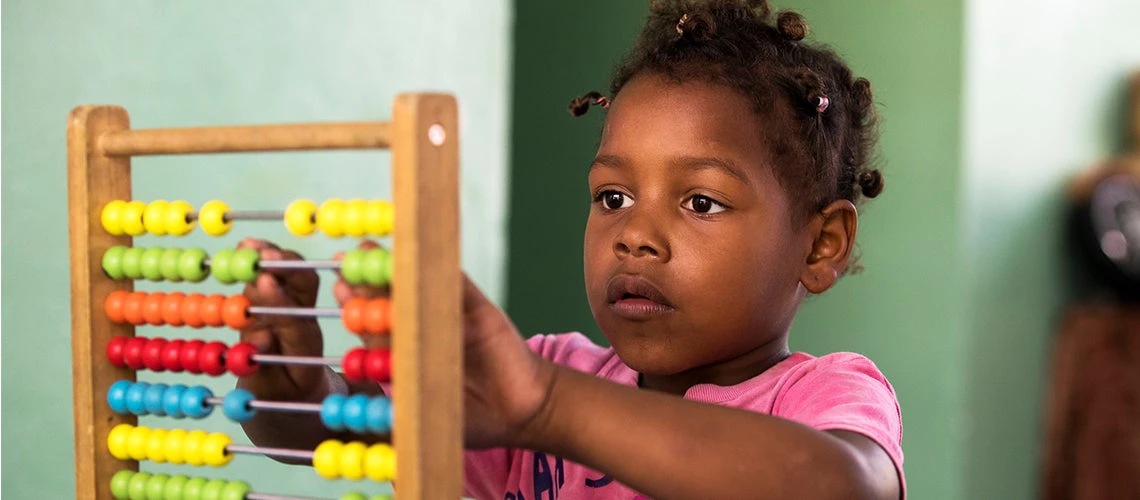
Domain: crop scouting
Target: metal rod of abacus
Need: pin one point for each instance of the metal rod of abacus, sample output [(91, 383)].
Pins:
[(298, 264), (244, 215), (268, 496), (281, 359), (307, 312), (270, 452), (281, 406)]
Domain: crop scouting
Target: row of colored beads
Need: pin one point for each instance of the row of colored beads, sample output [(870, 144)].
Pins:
[(359, 267), (135, 218), (131, 485), (175, 401), (177, 446), (354, 461), (193, 356), (336, 218)]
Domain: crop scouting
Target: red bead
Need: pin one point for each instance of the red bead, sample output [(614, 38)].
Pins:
[(115, 350), (353, 364), (239, 359), (152, 308), (113, 306), (171, 353), (210, 358), (212, 310), (377, 317), (152, 354), (353, 314), (192, 310), (132, 308), (132, 352), (188, 356), (172, 309), (378, 365), (235, 312)]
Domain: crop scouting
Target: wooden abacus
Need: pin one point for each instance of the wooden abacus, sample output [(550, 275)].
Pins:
[(425, 320)]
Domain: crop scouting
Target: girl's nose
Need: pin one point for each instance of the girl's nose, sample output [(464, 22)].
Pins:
[(641, 236)]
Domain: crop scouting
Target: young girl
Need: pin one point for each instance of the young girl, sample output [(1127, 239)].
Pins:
[(724, 192)]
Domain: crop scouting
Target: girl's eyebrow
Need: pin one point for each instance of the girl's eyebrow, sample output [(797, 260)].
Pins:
[(691, 163)]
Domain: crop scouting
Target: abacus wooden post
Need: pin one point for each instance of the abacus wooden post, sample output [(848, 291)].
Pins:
[(92, 181), (427, 294)]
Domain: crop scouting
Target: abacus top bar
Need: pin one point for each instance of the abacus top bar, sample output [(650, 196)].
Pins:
[(198, 140)]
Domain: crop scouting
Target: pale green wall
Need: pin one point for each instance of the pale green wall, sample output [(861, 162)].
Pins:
[(1044, 97), (215, 63)]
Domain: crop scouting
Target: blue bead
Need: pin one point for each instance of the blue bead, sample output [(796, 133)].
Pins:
[(331, 414), (379, 413), (193, 402), (135, 398), (152, 399), (236, 405), (354, 417), (172, 401), (117, 396)]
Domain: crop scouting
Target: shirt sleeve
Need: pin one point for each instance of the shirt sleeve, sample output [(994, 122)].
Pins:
[(846, 392)]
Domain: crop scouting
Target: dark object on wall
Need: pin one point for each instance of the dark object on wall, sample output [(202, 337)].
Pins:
[(1092, 448)]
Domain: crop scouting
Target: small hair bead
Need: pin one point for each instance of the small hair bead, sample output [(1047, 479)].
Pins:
[(822, 103)]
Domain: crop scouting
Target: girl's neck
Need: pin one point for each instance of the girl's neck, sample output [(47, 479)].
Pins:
[(725, 373)]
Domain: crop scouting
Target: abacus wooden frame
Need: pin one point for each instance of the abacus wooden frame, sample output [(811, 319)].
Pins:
[(427, 328)]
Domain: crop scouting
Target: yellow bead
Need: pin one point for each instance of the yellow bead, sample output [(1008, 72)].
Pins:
[(112, 217), (212, 218), (136, 443), (154, 220), (192, 447), (326, 459), (299, 217), (156, 445), (117, 441), (379, 218), (354, 217), (175, 218), (380, 462), (173, 447), (131, 218), (330, 218), (352, 460), (214, 450)]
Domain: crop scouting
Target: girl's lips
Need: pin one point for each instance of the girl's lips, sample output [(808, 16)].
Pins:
[(634, 297)]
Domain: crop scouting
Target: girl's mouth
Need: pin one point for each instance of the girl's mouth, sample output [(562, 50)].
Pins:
[(634, 297)]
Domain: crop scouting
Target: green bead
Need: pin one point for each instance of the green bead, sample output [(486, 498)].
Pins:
[(235, 490), (113, 262), (155, 485), (377, 267), (174, 487), (192, 490), (130, 261), (136, 488), (220, 266), (243, 265), (149, 263), (190, 265), (119, 483), (169, 264), (353, 495), (381, 497), (213, 489), (352, 267)]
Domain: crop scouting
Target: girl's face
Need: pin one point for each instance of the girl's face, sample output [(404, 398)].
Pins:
[(692, 259)]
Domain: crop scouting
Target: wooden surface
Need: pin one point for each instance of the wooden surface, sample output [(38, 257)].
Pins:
[(243, 139), (427, 333), (92, 181)]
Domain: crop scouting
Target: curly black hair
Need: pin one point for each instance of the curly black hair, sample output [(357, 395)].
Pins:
[(824, 152)]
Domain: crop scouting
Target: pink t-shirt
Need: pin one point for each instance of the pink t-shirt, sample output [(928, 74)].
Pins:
[(841, 391)]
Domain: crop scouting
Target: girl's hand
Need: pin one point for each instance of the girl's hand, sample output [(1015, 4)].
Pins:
[(286, 335), (505, 383)]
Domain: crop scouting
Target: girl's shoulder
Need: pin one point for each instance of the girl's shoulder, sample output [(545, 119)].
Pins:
[(579, 352)]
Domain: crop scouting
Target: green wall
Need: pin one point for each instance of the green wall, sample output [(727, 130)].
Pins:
[(216, 63)]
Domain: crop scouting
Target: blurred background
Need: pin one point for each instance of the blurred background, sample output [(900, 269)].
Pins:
[(988, 109)]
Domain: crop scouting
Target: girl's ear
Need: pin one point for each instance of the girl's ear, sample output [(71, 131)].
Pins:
[(833, 236)]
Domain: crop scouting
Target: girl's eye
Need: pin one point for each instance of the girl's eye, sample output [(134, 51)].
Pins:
[(614, 200), (704, 205)]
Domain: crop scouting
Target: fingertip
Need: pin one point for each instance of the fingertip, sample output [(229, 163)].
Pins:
[(368, 245)]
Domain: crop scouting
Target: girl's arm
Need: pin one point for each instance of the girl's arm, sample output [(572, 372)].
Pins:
[(669, 447)]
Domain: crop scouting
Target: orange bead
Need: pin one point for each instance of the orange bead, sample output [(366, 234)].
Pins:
[(113, 306), (353, 315), (172, 308), (152, 308), (378, 317), (192, 310), (235, 312), (132, 308), (212, 309)]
